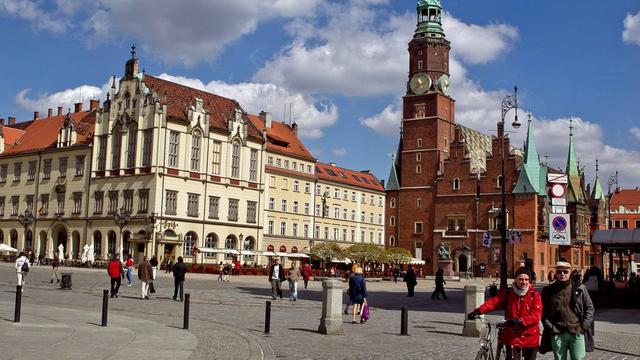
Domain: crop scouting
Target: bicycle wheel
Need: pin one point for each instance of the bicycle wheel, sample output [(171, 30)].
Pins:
[(482, 355), (501, 351)]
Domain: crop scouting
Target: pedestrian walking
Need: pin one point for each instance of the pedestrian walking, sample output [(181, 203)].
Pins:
[(129, 269), (22, 268), (55, 271), (179, 271), (154, 267), (358, 293), (523, 310), (114, 269), (567, 316), (145, 274), (293, 277), (594, 281), (276, 277), (347, 276), (221, 272), (306, 274), (396, 274), (410, 279), (439, 286), (237, 268), (168, 267), (226, 271)]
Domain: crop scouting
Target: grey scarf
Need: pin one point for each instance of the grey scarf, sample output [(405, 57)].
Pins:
[(520, 292)]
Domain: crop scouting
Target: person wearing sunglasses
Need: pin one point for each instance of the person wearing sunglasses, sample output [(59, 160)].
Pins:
[(523, 311), (567, 316)]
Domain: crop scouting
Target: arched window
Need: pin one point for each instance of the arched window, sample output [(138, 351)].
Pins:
[(499, 181), (283, 248), (28, 240), (392, 203), (97, 243), (196, 138), (116, 143), (456, 184), (111, 243), (230, 243), (1, 237), (14, 238), (131, 146), (189, 243), (211, 241), (392, 240), (270, 248), (235, 159), (392, 221)]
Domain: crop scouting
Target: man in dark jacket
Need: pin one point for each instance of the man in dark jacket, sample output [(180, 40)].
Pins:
[(276, 277), (439, 286), (179, 271), (567, 316), (145, 274), (410, 279)]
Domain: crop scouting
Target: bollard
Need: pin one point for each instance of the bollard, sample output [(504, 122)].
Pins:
[(185, 325), (16, 317), (473, 297), (105, 306), (404, 321), (331, 320), (267, 318)]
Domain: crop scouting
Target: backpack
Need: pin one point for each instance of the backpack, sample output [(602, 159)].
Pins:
[(25, 267)]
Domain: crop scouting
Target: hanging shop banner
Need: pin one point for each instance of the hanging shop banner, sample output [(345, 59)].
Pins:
[(486, 239), (559, 229)]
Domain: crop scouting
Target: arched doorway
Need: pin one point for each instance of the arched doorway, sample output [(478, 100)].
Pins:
[(97, 244), (28, 240), (60, 236), (462, 263), (43, 244), (1, 237), (211, 241), (126, 243), (75, 241), (230, 243), (249, 244), (111, 243), (13, 235), (190, 241)]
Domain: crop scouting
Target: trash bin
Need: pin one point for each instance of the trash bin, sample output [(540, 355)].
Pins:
[(65, 281)]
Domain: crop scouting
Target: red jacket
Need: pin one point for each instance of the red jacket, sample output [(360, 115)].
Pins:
[(527, 308), (114, 269)]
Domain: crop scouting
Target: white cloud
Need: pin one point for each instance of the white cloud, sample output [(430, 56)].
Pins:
[(65, 98), (312, 116), (30, 11), (631, 32), (386, 122), (476, 44), (635, 131), (341, 152)]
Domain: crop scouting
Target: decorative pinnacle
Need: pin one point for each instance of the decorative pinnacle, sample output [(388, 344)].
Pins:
[(529, 115), (570, 126), (597, 166), (133, 50)]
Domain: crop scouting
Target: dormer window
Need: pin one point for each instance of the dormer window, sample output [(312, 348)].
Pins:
[(456, 184), (195, 151)]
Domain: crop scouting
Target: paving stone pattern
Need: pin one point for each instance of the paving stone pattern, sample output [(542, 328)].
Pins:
[(227, 322)]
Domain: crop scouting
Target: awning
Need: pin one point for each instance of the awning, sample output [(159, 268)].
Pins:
[(268, 253), (343, 261), (249, 252), (617, 238), (7, 248), (414, 261), (217, 251)]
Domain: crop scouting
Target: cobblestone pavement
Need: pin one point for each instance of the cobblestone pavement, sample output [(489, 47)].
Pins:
[(227, 319)]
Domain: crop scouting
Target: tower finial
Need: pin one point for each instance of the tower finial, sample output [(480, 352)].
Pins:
[(597, 166), (529, 115), (133, 51), (571, 126)]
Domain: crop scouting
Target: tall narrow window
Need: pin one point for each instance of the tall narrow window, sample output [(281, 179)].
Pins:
[(233, 210), (217, 147), (29, 201), (99, 201), (62, 167), (251, 212), (116, 143), (80, 165), (235, 160), (174, 138), (131, 147), (77, 203), (214, 205), (196, 138), (3, 173), (60, 210), (193, 201), (46, 169), (102, 152), (31, 174), (113, 202), (253, 165), (143, 200), (147, 147), (17, 171), (171, 198), (44, 204), (128, 201)]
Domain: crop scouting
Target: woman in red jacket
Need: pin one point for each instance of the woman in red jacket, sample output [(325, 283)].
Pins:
[(523, 311)]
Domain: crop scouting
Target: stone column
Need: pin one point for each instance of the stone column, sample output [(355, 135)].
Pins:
[(331, 321), (473, 297)]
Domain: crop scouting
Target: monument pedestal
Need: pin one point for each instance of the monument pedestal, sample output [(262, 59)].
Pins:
[(447, 267)]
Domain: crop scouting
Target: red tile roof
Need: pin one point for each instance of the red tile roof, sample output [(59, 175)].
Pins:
[(626, 197), (282, 139), (43, 133), (11, 135), (178, 97), (341, 175)]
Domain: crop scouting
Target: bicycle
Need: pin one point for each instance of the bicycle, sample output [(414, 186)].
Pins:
[(486, 342)]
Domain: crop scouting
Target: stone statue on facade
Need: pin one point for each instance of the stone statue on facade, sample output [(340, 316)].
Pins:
[(443, 252)]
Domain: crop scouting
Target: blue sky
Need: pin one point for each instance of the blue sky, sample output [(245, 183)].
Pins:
[(342, 66)]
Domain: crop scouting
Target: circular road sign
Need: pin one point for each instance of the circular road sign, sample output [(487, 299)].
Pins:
[(559, 223)]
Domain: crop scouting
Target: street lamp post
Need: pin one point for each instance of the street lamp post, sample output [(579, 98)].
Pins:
[(26, 220), (613, 180), (121, 219), (508, 102)]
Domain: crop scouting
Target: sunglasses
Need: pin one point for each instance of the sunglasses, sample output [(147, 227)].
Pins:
[(563, 272)]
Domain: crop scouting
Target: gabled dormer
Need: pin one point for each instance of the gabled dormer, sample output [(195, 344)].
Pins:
[(198, 117), (67, 134), (237, 125)]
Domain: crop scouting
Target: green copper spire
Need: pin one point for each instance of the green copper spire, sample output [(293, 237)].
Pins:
[(393, 184), (529, 180), (575, 193), (597, 193), (572, 163), (429, 18)]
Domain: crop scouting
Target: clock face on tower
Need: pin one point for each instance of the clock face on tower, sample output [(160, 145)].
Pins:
[(444, 84), (420, 83)]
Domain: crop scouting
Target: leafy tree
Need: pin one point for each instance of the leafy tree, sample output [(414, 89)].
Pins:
[(327, 252), (397, 255), (365, 253)]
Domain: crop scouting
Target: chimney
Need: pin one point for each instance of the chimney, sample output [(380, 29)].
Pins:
[(266, 119), (59, 110), (49, 112), (294, 128), (12, 120), (36, 115), (77, 107), (93, 104)]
